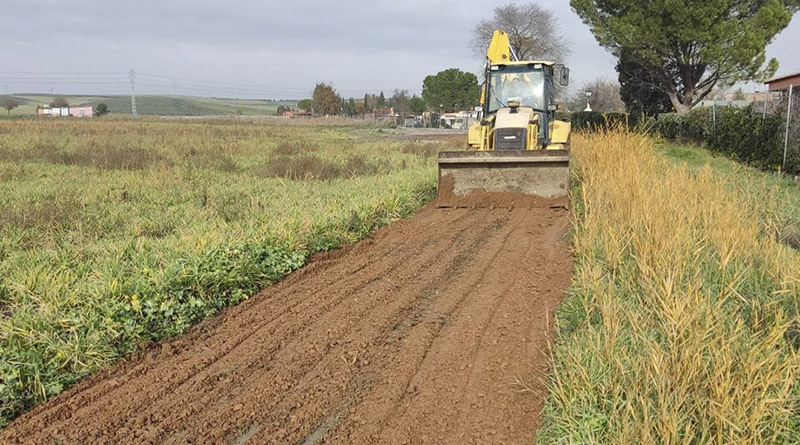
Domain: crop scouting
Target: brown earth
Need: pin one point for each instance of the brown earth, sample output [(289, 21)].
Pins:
[(435, 330), (480, 198)]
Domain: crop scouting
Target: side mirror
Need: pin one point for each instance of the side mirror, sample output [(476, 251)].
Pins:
[(564, 78)]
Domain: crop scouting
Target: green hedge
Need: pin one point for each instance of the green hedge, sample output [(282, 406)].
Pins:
[(564, 115), (742, 134)]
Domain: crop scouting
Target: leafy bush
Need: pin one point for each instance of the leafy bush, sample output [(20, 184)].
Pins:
[(597, 121), (564, 115), (742, 134), (587, 120), (101, 109)]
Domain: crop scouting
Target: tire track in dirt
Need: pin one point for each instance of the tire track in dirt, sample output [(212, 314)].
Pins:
[(449, 305), (196, 366), (293, 370), (250, 351), (432, 279), (433, 331)]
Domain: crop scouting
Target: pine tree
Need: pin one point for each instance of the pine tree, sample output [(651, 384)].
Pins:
[(690, 47)]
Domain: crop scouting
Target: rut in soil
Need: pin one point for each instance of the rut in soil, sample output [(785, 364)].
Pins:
[(435, 330)]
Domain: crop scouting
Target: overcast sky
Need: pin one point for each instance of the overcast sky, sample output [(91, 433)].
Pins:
[(274, 49)]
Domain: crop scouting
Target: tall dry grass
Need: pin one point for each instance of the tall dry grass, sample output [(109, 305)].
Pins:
[(678, 327)]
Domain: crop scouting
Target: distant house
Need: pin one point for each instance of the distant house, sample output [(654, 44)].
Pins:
[(460, 120), (295, 113), (81, 111), (47, 110), (781, 82), (384, 113)]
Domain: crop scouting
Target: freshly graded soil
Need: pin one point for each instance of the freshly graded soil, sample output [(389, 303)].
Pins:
[(435, 330)]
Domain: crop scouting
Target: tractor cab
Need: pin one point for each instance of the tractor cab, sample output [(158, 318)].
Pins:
[(522, 88)]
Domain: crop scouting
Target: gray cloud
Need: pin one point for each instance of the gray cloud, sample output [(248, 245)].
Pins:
[(255, 48)]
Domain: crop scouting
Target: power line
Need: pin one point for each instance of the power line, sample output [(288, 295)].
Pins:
[(224, 85), (245, 87), (215, 82), (58, 78), (217, 88), (163, 81), (58, 82), (86, 73)]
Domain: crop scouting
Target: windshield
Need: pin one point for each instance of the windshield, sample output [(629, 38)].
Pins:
[(521, 83)]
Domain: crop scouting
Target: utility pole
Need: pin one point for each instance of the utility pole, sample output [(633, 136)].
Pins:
[(132, 77)]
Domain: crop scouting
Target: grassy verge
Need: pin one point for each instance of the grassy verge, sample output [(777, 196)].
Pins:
[(116, 232), (681, 324), (778, 196)]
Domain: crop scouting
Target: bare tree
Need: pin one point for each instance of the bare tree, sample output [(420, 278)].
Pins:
[(605, 97), (399, 101), (533, 32)]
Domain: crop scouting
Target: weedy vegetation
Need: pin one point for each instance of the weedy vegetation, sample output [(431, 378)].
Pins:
[(681, 325), (117, 232)]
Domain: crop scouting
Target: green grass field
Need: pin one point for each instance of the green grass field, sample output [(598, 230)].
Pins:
[(156, 105), (117, 232)]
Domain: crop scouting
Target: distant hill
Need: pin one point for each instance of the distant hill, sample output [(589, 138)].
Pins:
[(156, 105)]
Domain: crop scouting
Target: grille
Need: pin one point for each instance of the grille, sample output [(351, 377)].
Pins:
[(510, 138)]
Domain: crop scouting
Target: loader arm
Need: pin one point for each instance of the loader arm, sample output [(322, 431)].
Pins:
[(519, 153)]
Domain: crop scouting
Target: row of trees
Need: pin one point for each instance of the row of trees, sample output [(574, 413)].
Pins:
[(447, 91), (671, 54)]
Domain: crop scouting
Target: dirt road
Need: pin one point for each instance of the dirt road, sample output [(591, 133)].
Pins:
[(433, 331)]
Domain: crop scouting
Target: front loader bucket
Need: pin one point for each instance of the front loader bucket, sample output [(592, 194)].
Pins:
[(526, 178)]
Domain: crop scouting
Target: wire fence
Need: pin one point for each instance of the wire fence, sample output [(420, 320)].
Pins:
[(782, 142), (786, 103), (765, 134)]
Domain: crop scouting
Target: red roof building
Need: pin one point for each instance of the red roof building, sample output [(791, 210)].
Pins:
[(778, 83), (296, 113)]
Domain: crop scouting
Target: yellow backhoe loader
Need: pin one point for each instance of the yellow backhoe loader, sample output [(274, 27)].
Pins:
[(518, 151)]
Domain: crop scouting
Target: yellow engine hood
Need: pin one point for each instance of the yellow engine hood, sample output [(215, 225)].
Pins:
[(506, 119)]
